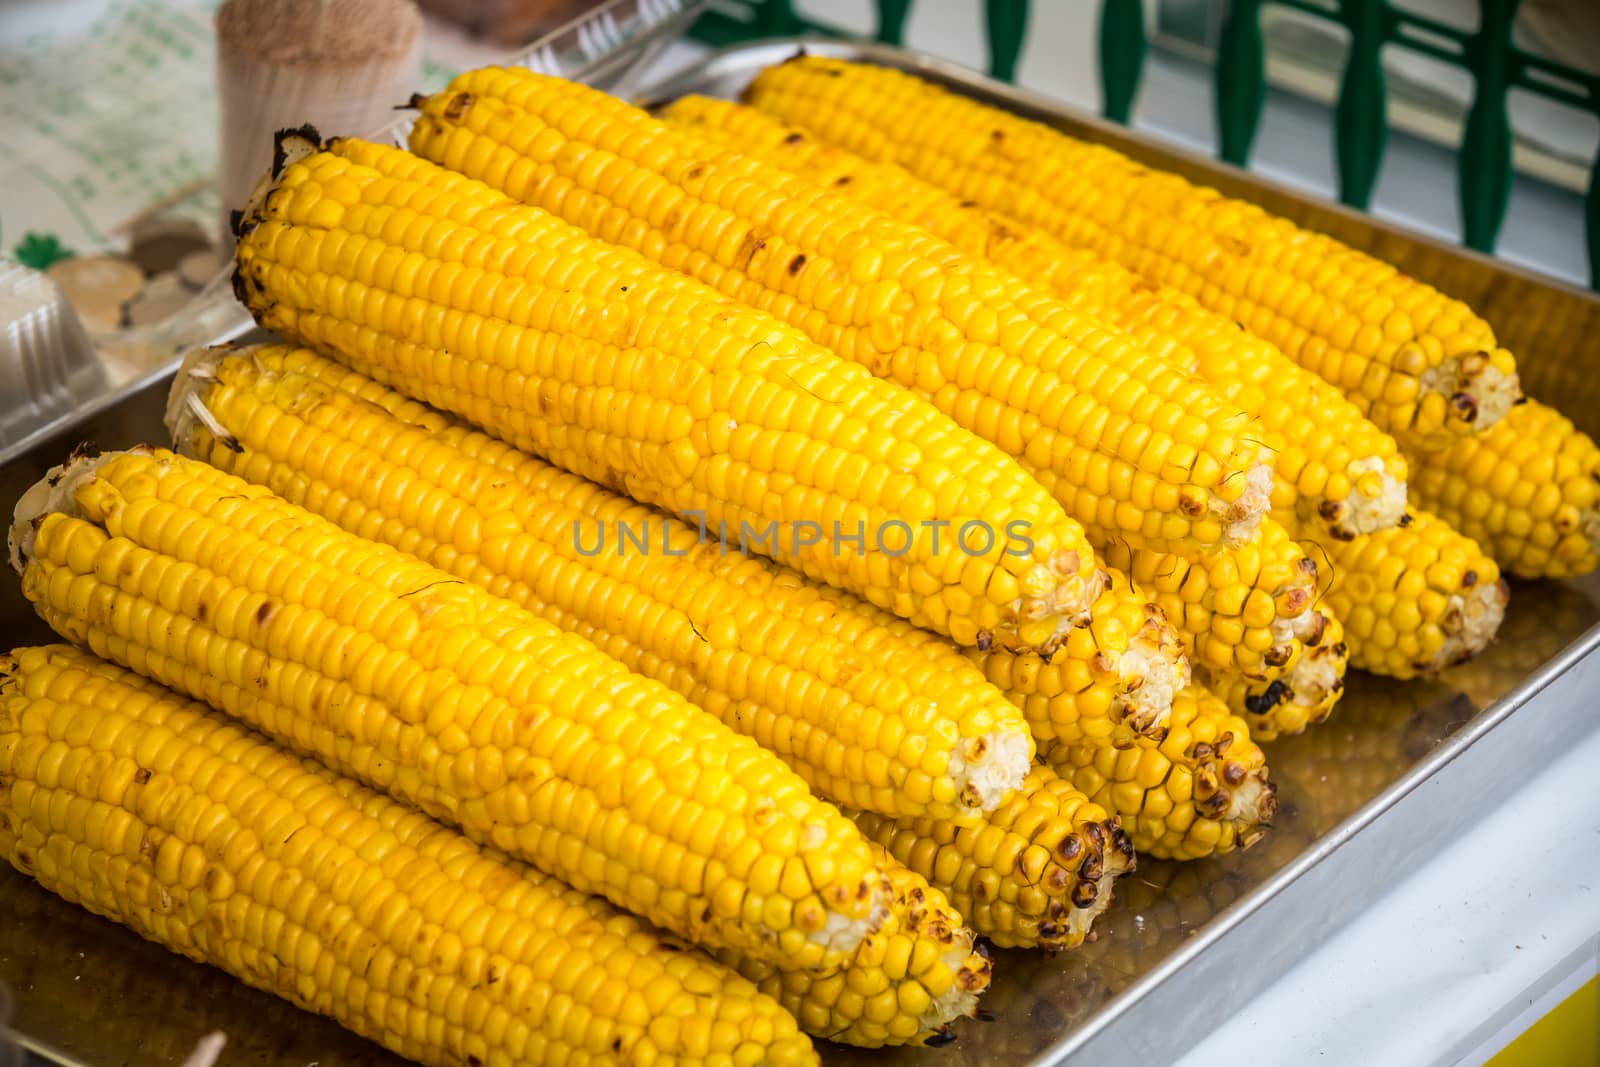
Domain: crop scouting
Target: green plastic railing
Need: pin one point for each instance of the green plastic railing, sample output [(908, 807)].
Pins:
[(1361, 125)]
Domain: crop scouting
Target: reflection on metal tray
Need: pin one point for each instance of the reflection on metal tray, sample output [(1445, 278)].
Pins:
[(1367, 796)]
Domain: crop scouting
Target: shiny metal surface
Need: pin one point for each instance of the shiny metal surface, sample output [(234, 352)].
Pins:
[(1367, 796)]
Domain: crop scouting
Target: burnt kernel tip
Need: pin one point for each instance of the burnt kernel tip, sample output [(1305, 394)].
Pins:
[(458, 105), (1263, 702), (1520, 400), (985, 640), (939, 1038), (1407, 519), (1469, 579), (794, 137), (413, 103), (281, 139)]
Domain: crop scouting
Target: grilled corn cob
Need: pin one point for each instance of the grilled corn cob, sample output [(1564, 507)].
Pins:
[(1416, 598), (454, 701), (1422, 366), (1527, 490), (867, 711), (1036, 873), (1110, 680), (1244, 611), (1120, 438), (1331, 463), (166, 817), (1201, 791), (905, 984), (1302, 695), (647, 382)]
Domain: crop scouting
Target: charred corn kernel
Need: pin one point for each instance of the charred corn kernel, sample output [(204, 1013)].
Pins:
[(1036, 873), (1421, 365), (1527, 490), (452, 700), (871, 711), (1111, 679), (645, 381), (1331, 463), (291, 879), (1202, 790), (1416, 598), (905, 984), (1243, 610), (1110, 430), (1302, 695)]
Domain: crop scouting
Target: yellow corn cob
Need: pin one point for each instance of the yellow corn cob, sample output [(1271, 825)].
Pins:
[(868, 712), (650, 383), (164, 816), (905, 984), (454, 701), (1201, 791), (1245, 610), (1120, 438), (1111, 679), (1421, 365), (1331, 463), (1527, 490), (1036, 873), (1300, 696), (1416, 598)]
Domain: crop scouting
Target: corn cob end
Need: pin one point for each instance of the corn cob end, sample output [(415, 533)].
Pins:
[(1203, 790), (1150, 672), (1589, 526), (1242, 516), (1377, 501), (1303, 695), (1043, 623), (1117, 858), (184, 404), (990, 767), (1473, 619), (1477, 390), (53, 492)]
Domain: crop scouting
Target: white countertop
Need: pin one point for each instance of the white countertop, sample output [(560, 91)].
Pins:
[(1460, 957)]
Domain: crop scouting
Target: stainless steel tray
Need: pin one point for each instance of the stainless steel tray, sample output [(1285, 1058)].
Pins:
[(1368, 796)]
